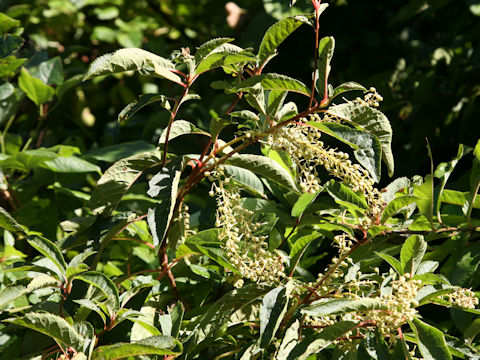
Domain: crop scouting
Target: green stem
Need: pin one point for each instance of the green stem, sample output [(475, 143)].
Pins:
[(4, 132), (470, 208)]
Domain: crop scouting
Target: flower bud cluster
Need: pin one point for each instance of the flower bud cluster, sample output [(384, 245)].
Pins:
[(464, 298), (183, 219), (401, 306), (302, 143), (344, 243), (371, 98), (246, 250)]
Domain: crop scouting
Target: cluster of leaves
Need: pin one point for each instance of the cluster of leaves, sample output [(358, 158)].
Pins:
[(148, 247)]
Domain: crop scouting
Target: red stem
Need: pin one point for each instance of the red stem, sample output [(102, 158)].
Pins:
[(170, 122)]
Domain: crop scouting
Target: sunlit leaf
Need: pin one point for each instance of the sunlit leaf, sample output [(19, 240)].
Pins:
[(430, 341), (326, 307), (371, 120), (116, 181), (163, 186), (36, 89), (326, 48), (368, 150), (276, 34), (266, 167), (157, 345), (53, 326), (412, 253), (132, 59), (102, 282), (272, 310)]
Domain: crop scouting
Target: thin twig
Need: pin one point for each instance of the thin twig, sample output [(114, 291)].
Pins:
[(315, 58)]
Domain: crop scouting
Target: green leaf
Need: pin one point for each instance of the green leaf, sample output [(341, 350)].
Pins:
[(144, 100), (132, 59), (205, 49), (298, 248), (472, 331), (256, 98), (217, 125), (371, 120), (53, 326), (368, 150), (6, 90), (49, 250), (474, 183), (224, 58), (432, 279), (11, 293), (36, 90), (137, 285), (266, 167), (394, 263), (466, 266), (116, 181), (206, 242), (219, 313), (75, 270), (395, 206), (425, 200), (275, 102), (376, 346), (303, 202), (431, 341), (176, 315), (71, 164), (246, 115), (106, 13), (394, 187), (318, 341), (9, 65), (274, 82), (428, 266), (326, 48), (165, 321), (401, 351), (275, 35), (90, 305), (326, 307), (50, 71), (155, 345), (6, 23), (67, 85), (412, 253), (458, 198), (443, 172), (289, 341), (345, 87), (117, 152), (272, 311), (101, 282), (301, 243), (342, 193), (215, 254), (163, 186), (179, 128), (246, 178), (10, 44), (9, 223)]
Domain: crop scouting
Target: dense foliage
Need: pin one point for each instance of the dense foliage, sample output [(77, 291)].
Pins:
[(234, 211)]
